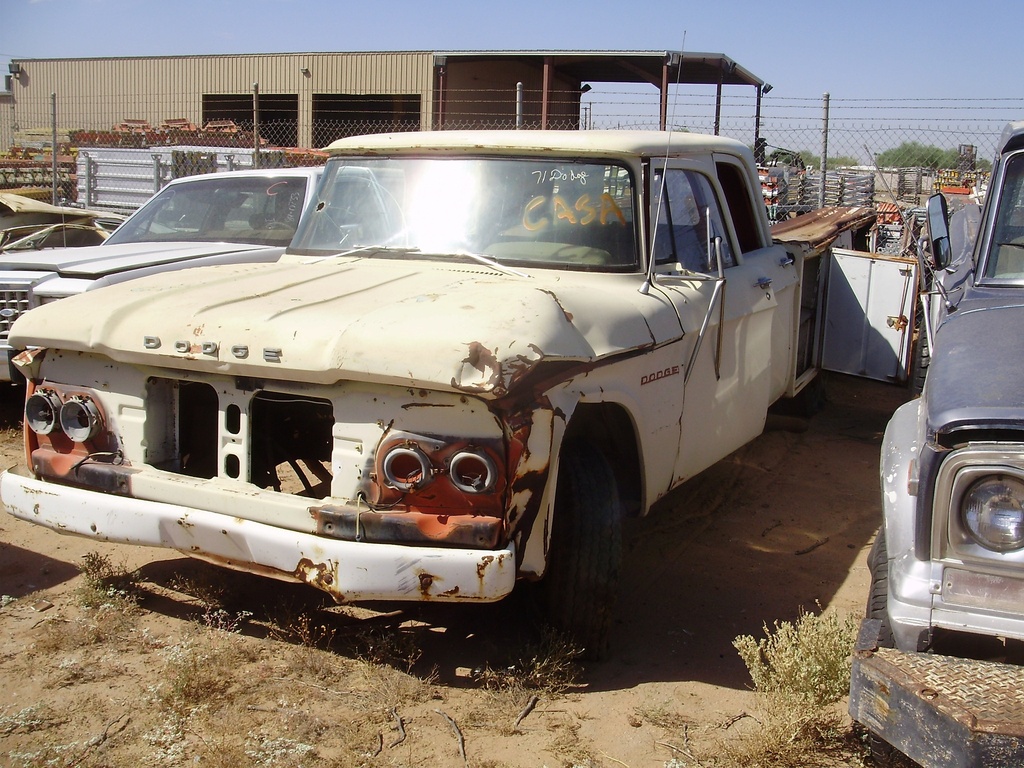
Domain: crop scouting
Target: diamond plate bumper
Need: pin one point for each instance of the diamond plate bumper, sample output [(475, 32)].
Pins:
[(938, 710)]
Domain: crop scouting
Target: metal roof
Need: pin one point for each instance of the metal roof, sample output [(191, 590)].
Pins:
[(599, 66), (683, 67)]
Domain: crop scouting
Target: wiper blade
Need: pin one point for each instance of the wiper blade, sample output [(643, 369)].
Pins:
[(489, 262), (405, 250), (396, 249)]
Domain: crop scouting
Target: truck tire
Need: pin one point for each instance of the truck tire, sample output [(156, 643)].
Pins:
[(580, 587), (878, 597), (882, 752), (919, 365)]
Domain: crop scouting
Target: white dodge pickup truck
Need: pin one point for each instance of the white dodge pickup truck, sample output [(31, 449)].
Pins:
[(479, 353)]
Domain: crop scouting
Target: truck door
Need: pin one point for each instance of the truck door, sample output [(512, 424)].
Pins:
[(736, 317), (869, 315)]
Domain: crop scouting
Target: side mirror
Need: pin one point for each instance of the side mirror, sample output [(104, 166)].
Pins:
[(938, 231)]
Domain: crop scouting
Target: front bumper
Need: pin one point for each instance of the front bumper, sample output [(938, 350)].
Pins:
[(921, 599), (349, 571), (938, 710), (7, 370)]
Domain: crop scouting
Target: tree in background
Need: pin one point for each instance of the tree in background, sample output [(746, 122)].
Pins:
[(913, 154), (807, 159)]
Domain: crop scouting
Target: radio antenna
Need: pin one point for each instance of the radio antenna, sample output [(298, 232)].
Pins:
[(646, 286)]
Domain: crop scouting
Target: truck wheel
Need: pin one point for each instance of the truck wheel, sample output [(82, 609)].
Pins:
[(919, 365), (882, 752), (878, 598), (580, 586)]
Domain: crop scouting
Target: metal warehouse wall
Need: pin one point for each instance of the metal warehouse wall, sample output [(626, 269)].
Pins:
[(99, 93), (6, 121), (481, 91)]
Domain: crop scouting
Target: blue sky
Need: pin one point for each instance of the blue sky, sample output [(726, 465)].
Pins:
[(870, 49)]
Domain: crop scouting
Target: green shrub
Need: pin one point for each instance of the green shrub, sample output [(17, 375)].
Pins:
[(809, 659)]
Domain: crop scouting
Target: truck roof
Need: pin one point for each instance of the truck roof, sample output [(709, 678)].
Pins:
[(1012, 137), (638, 143)]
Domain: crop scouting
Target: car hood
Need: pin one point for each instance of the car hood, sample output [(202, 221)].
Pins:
[(99, 260), (974, 380), (465, 327)]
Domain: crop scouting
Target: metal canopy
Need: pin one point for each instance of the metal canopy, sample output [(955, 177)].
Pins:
[(658, 68)]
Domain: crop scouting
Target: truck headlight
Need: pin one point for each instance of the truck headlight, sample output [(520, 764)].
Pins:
[(472, 472), (79, 419), (406, 468), (993, 512), (42, 411)]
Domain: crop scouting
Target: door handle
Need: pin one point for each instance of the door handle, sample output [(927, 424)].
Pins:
[(764, 282)]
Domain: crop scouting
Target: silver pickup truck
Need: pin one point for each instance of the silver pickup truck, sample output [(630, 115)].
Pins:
[(938, 671), (479, 353), (215, 218)]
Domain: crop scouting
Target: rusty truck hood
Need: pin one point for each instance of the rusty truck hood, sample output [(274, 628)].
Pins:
[(462, 326)]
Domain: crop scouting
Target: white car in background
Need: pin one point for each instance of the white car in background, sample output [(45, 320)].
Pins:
[(215, 218)]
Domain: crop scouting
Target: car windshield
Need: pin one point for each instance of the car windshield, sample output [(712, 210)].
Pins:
[(1006, 261), (519, 212), (262, 210)]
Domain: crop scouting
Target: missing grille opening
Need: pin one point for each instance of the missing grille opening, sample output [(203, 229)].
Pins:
[(198, 430), (291, 444)]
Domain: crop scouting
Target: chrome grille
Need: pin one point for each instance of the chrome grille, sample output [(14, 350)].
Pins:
[(13, 301)]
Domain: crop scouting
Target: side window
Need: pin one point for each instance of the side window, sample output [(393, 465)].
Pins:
[(1006, 258), (737, 197), (686, 218)]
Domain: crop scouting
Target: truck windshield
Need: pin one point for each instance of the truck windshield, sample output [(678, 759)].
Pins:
[(224, 209), (1006, 261), (525, 212)]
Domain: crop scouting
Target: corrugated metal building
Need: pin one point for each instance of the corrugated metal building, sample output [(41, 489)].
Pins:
[(310, 99)]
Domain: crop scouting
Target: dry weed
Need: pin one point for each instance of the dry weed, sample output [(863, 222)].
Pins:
[(105, 583), (200, 670), (800, 672), (209, 594), (568, 747), (550, 665), (112, 622), (315, 640), (546, 668), (382, 688), (661, 716), (28, 720), (792, 734), (108, 598)]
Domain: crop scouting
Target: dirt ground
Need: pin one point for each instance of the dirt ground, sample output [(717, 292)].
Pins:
[(781, 526)]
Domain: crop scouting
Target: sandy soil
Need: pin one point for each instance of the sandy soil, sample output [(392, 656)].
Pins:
[(781, 526)]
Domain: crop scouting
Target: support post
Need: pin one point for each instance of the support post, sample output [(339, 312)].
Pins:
[(256, 125), (824, 149), (544, 96), (53, 163), (718, 106), (663, 111), (758, 148)]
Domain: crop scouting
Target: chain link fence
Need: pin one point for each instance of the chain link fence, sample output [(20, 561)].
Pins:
[(813, 151)]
